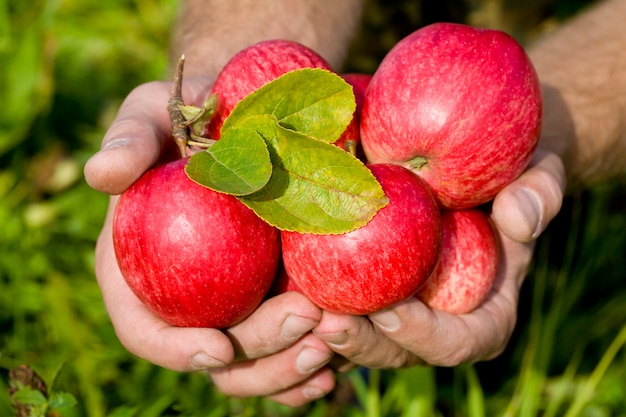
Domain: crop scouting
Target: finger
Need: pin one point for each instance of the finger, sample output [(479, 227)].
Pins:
[(276, 373), (523, 209), (144, 334), (439, 338), (444, 339), (276, 324), (317, 386), (360, 342), (138, 137), (134, 140)]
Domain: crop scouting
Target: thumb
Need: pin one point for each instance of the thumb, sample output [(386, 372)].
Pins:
[(524, 208), (134, 142)]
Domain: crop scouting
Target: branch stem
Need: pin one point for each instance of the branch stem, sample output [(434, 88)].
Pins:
[(180, 130)]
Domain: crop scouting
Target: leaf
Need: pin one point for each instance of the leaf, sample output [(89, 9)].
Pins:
[(238, 164), (315, 187), (61, 400), (29, 396), (312, 101), (198, 117)]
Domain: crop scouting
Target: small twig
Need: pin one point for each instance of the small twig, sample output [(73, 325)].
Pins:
[(180, 130), (201, 142)]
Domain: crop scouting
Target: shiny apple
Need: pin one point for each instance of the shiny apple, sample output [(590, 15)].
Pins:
[(458, 105), (377, 265), (195, 257)]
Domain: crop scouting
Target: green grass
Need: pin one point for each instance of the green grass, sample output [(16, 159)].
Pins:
[(64, 68)]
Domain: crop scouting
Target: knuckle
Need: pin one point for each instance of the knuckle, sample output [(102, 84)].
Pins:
[(453, 357)]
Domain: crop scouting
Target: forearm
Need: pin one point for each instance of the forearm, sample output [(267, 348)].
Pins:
[(209, 32), (582, 68)]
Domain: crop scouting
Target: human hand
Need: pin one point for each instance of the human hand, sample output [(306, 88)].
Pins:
[(272, 353), (410, 333)]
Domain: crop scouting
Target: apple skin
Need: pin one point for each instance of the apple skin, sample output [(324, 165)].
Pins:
[(252, 68), (468, 265), (195, 257), (350, 139), (282, 283), (460, 106), (359, 82), (377, 265)]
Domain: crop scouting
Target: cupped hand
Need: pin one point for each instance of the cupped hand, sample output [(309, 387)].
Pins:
[(271, 353), (410, 333)]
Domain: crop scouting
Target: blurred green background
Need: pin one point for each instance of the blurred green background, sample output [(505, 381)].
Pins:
[(66, 65)]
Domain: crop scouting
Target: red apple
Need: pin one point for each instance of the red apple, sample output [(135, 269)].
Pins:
[(196, 257), (282, 283), (377, 265), (468, 265), (350, 139), (460, 106), (359, 82), (252, 68)]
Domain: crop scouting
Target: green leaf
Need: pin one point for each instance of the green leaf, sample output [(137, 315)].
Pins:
[(238, 164), (311, 101), (61, 400), (29, 396), (198, 117), (315, 187)]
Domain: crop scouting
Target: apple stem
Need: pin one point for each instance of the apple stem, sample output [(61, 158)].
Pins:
[(350, 146), (180, 131), (418, 162)]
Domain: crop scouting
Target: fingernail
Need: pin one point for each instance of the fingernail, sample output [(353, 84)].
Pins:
[(335, 339), (310, 360), (115, 143), (531, 210), (313, 393), (386, 319), (296, 326), (203, 361)]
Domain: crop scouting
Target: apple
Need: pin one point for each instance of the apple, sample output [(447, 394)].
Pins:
[(378, 264), (282, 283), (458, 105), (195, 257), (468, 265), (350, 139), (252, 68), (359, 82)]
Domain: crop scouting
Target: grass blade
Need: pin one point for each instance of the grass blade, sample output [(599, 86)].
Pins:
[(589, 387)]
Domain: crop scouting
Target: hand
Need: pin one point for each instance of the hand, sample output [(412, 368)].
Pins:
[(410, 333), (271, 353)]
